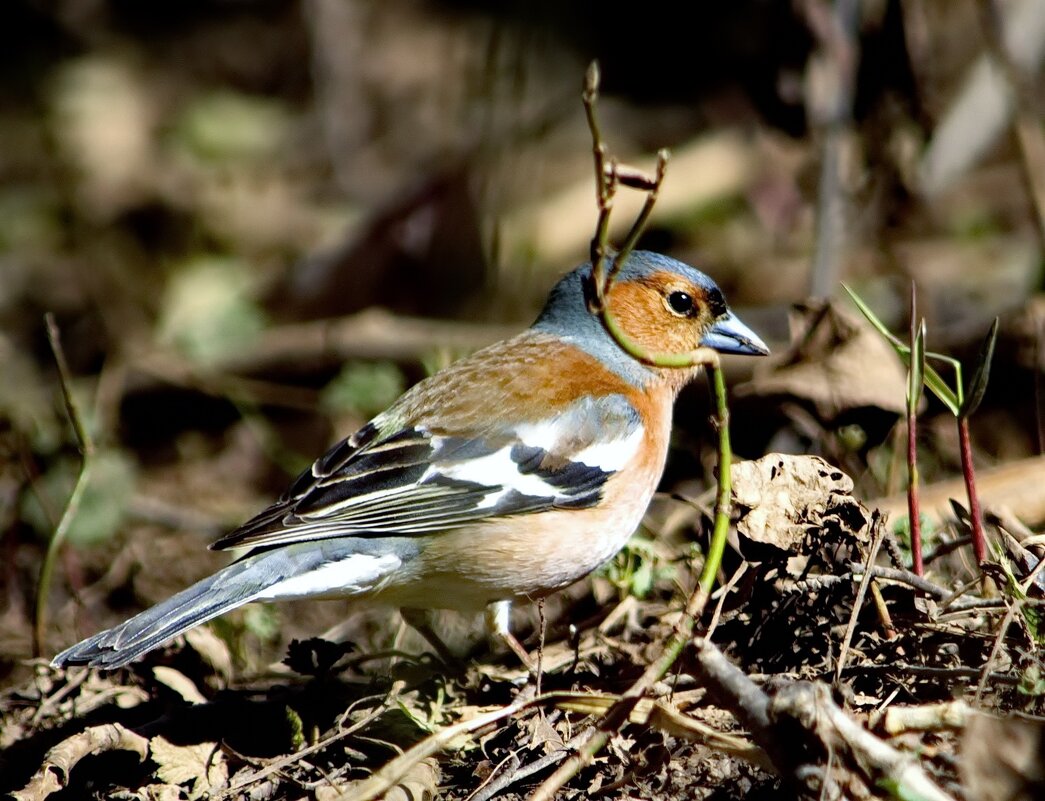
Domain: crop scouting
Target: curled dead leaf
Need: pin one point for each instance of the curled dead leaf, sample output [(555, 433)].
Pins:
[(793, 503), (59, 762)]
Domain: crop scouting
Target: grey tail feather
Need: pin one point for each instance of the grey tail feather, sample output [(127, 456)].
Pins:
[(231, 587)]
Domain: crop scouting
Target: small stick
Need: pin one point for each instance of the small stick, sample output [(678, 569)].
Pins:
[(878, 531)]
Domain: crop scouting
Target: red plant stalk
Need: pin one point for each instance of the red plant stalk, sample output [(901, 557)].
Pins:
[(979, 545), (912, 493)]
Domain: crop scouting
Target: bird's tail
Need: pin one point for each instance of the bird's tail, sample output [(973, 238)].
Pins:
[(301, 570), (213, 596)]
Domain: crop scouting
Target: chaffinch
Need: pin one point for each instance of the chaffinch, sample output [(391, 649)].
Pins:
[(508, 475)]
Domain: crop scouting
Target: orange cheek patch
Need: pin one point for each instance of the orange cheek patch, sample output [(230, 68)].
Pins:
[(639, 309)]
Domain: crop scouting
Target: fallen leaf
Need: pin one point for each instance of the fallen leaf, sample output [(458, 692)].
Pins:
[(201, 765), (791, 502), (840, 363), (179, 683)]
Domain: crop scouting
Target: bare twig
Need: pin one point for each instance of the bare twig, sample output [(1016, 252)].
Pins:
[(904, 577), (877, 532), (926, 717), (878, 762), (1003, 629), (939, 674)]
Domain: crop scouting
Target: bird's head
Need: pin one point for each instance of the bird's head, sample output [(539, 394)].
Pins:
[(666, 306)]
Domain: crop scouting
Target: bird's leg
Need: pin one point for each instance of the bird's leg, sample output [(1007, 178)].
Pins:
[(498, 617), (420, 620)]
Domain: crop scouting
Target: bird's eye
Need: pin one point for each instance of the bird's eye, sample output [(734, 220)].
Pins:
[(681, 303)]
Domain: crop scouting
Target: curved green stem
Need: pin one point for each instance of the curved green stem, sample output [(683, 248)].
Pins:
[(723, 502), (692, 358), (54, 547), (86, 444)]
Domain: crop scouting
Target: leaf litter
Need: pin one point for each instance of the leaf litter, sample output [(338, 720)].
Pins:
[(331, 721)]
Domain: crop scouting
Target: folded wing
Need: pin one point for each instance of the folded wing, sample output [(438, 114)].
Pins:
[(406, 480)]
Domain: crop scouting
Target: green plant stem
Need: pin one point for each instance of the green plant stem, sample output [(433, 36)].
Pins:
[(86, 445), (54, 547), (700, 356), (915, 384), (723, 500), (913, 510), (979, 544), (618, 714), (682, 634)]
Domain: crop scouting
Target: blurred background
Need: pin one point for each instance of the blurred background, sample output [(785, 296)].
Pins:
[(257, 221)]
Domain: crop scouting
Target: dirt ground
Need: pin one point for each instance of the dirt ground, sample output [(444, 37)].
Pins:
[(253, 225)]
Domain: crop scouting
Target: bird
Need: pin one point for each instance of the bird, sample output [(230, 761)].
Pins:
[(506, 476)]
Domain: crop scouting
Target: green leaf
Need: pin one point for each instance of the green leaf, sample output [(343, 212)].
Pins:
[(872, 318), (296, 726), (978, 384), (1032, 682), (1033, 618), (916, 372), (933, 380), (262, 621), (938, 385), (224, 126)]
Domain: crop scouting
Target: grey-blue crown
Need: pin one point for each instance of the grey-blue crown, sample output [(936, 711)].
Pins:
[(566, 310)]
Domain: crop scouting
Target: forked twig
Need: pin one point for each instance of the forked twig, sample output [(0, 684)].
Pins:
[(607, 180)]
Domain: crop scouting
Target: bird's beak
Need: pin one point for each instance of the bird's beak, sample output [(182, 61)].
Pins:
[(729, 335)]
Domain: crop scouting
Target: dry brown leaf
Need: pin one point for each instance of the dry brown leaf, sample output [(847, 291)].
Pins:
[(783, 499), (841, 364), (180, 683), (212, 649), (160, 792), (201, 765), (419, 783), (54, 773), (543, 735)]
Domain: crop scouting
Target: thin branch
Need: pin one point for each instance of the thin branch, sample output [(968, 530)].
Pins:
[(605, 185), (902, 576), (878, 532), (652, 189)]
